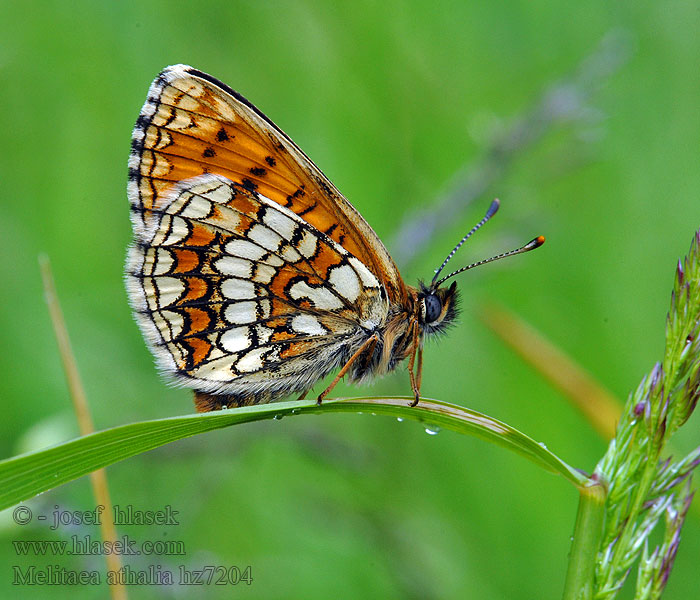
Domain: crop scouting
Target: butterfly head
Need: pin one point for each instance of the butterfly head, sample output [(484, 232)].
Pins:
[(437, 307)]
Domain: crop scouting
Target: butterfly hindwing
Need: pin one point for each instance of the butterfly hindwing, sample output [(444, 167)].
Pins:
[(237, 294)]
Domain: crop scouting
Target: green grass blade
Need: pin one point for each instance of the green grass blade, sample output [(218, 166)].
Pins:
[(24, 476)]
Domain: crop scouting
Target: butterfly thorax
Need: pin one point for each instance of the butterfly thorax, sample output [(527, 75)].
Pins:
[(423, 312), (393, 340)]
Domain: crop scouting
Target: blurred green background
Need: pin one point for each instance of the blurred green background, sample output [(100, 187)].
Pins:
[(390, 99)]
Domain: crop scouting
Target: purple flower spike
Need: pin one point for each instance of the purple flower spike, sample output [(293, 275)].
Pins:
[(679, 272)]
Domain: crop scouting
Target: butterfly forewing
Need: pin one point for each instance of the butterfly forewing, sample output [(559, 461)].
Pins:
[(193, 124)]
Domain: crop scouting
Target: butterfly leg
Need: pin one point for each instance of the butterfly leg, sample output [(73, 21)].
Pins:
[(302, 396), (419, 373), (415, 380), (370, 343)]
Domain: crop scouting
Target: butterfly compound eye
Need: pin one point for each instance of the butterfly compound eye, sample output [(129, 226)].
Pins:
[(433, 308)]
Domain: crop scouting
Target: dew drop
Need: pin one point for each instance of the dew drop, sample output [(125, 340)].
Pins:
[(278, 417), (542, 445), (399, 419), (295, 411), (432, 430)]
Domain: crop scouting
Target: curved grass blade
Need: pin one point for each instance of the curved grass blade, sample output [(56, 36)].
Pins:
[(24, 476)]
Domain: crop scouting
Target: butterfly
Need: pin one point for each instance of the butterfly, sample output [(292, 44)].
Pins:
[(250, 275)]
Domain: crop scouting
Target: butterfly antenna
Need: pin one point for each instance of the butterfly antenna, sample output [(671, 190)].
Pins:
[(536, 243), (489, 213)]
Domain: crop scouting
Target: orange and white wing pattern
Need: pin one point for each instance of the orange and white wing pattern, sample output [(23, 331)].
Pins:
[(192, 124), (237, 295), (250, 275)]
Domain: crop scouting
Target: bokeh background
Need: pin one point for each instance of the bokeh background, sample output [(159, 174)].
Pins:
[(393, 100)]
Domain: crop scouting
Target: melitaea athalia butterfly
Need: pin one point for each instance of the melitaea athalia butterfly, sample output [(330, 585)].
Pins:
[(251, 276)]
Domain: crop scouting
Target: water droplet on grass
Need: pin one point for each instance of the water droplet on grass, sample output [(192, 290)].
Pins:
[(434, 430)]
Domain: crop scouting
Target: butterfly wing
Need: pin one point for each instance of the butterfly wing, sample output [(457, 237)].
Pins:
[(238, 295), (192, 124)]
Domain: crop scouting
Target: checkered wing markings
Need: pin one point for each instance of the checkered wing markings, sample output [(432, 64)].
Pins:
[(228, 283), (192, 124)]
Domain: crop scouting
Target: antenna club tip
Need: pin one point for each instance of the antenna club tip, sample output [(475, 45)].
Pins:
[(493, 208), (531, 245)]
